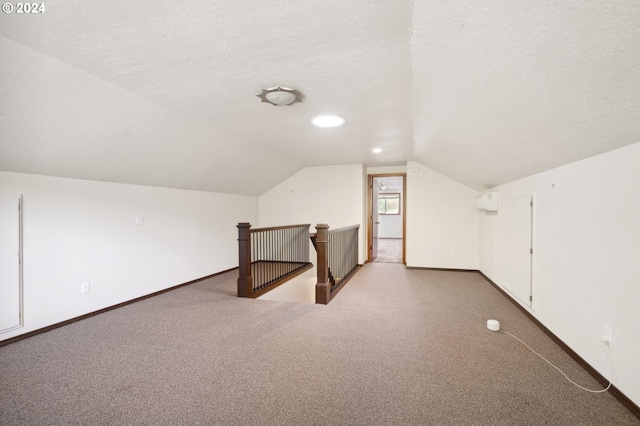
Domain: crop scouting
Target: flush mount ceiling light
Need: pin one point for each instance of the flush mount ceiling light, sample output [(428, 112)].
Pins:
[(328, 121), (377, 150), (280, 96)]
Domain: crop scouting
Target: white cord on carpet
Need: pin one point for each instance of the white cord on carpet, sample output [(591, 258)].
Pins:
[(608, 356)]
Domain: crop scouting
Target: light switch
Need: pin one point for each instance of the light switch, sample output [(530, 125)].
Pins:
[(139, 220)]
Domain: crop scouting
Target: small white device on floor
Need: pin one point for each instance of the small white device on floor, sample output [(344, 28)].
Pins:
[(493, 325)]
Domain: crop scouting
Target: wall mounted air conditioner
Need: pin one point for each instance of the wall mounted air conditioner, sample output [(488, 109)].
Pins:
[(487, 202)]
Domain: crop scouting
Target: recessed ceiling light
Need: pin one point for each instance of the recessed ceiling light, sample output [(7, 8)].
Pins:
[(328, 121), (377, 150)]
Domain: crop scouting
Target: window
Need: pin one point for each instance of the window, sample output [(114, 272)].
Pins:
[(389, 203)]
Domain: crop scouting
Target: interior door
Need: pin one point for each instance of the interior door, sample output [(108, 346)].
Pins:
[(10, 284), (375, 219), (523, 246), (514, 232)]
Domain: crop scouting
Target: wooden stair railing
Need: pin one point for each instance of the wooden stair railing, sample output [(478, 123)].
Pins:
[(328, 285), (314, 238), (269, 257)]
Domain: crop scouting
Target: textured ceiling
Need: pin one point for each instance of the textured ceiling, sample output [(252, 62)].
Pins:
[(506, 89), (164, 93)]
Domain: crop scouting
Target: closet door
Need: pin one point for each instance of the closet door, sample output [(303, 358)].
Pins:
[(10, 283), (513, 228)]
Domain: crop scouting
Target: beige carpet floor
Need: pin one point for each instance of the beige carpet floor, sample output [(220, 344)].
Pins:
[(396, 347), (389, 250)]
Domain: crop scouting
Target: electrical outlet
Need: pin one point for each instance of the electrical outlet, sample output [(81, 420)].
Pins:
[(606, 335), (452, 253), (85, 287)]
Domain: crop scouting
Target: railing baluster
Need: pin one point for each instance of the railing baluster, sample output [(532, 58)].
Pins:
[(258, 260), (254, 255), (269, 255), (299, 246), (278, 251)]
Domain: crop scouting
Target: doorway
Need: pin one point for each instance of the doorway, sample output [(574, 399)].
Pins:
[(10, 262), (386, 225), (514, 230)]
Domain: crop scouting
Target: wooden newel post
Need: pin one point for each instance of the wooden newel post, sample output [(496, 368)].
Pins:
[(245, 282), (323, 286)]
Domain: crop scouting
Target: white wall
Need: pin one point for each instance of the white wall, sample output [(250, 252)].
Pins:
[(586, 262), (76, 231), (322, 194), (440, 218)]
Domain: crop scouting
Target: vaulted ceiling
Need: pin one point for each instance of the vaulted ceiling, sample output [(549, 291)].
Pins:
[(164, 93)]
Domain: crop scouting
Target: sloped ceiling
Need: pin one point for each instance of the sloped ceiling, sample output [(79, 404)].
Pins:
[(164, 93)]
